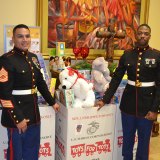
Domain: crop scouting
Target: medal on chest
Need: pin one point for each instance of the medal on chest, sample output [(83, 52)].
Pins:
[(150, 61)]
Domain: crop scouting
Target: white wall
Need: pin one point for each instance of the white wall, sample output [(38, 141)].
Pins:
[(154, 22), (13, 12)]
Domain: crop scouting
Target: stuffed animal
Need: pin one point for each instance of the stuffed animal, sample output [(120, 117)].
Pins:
[(72, 79), (100, 74)]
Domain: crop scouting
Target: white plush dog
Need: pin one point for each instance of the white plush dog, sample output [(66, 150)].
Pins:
[(84, 95)]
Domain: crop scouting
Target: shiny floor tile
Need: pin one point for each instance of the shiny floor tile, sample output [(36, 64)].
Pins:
[(155, 148)]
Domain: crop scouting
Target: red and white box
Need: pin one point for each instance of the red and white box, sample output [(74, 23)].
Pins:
[(67, 97), (85, 133)]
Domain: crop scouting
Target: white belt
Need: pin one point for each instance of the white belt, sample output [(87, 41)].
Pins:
[(141, 84), (24, 92)]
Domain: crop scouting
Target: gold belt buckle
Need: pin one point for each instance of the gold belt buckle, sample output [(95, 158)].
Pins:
[(33, 91), (138, 84)]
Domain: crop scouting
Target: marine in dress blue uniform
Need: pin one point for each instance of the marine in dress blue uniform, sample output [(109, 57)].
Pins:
[(20, 78), (141, 96)]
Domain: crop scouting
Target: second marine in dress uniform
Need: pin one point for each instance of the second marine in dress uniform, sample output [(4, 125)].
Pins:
[(141, 96)]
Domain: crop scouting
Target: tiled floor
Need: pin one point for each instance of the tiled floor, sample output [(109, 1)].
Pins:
[(155, 148)]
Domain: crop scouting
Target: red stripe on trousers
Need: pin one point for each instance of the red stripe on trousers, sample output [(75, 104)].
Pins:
[(11, 146)]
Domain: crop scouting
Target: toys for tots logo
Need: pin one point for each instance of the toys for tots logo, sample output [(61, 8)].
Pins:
[(120, 140), (90, 149), (45, 150)]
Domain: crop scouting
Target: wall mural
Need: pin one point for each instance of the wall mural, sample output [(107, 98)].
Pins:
[(77, 21)]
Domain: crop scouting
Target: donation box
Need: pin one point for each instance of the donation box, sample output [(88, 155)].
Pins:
[(85, 133)]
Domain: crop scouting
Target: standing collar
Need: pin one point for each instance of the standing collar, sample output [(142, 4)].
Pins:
[(139, 49), (19, 51)]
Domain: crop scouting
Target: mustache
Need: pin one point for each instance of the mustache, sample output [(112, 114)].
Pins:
[(142, 39)]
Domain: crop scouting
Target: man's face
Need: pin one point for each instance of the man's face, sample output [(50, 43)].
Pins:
[(22, 39), (143, 36)]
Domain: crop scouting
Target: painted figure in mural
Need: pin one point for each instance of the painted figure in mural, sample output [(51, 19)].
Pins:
[(77, 21), (20, 77), (140, 100), (73, 17)]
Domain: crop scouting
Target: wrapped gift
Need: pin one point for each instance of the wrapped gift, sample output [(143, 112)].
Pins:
[(117, 96), (57, 94), (46, 77), (52, 86), (67, 97)]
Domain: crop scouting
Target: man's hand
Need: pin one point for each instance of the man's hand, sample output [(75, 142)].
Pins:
[(151, 116), (99, 104), (22, 126), (56, 107)]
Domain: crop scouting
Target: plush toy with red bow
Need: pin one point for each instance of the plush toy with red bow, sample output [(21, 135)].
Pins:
[(72, 79)]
